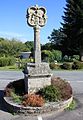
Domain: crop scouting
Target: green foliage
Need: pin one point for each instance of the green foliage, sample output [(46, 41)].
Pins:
[(57, 55), (54, 66), (66, 66), (51, 56), (72, 105), (47, 46), (50, 93), (21, 62), (73, 27), (29, 45), (46, 55), (77, 65), (11, 47), (76, 57), (7, 61), (16, 98), (56, 37)]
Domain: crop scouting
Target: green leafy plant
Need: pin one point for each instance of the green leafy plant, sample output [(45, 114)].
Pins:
[(50, 93), (72, 105), (7, 61), (16, 98)]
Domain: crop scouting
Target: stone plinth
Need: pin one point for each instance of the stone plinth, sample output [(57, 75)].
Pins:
[(36, 76)]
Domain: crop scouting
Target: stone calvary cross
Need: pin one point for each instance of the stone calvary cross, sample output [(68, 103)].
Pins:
[(36, 18), (37, 74)]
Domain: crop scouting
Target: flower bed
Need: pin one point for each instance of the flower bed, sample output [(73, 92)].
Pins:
[(53, 97)]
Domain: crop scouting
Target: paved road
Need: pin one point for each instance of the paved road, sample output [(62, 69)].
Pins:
[(8, 76), (74, 77)]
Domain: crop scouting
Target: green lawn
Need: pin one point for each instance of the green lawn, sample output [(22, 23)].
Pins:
[(14, 67)]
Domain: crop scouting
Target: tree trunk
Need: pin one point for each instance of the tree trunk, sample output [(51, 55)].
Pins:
[(81, 55)]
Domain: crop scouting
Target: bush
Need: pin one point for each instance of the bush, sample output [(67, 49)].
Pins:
[(54, 66), (77, 65), (68, 58), (64, 88), (7, 61), (72, 106), (66, 66), (76, 57), (51, 56), (16, 98), (57, 55), (11, 61), (50, 93), (33, 100)]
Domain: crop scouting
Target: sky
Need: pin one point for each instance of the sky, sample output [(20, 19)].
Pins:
[(13, 22)]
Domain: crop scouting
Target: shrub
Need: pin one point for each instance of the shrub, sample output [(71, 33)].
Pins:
[(33, 100), (57, 55), (66, 66), (76, 57), (68, 58), (54, 66), (77, 65), (11, 61), (50, 93), (3, 61), (16, 98), (72, 106), (51, 56), (6, 61), (63, 86)]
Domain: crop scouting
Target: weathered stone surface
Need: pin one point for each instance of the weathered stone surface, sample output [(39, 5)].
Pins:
[(37, 74), (36, 18), (35, 83), (41, 69), (48, 107)]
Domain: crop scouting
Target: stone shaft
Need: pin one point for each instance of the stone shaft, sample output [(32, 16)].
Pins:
[(37, 48)]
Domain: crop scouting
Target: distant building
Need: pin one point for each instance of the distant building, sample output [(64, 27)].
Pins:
[(24, 55)]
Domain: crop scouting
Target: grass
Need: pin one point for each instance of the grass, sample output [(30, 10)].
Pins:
[(14, 67)]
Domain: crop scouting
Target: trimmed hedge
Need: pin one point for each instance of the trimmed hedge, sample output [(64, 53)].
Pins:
[(66, 66), (7, 61), (77, 65), (54, 66)]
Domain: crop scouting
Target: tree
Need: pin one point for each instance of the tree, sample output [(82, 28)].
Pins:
[(73, 28), (56, 38), (29, 45), (11, 47), (47, 46)]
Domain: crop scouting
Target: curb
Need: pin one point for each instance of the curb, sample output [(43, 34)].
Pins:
[(48, 107)]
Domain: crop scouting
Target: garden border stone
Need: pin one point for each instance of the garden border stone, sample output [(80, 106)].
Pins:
[(48, 107)]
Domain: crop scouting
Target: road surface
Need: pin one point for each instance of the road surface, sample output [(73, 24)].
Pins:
[(74, 77)]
